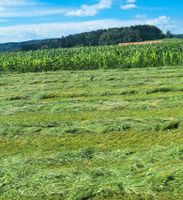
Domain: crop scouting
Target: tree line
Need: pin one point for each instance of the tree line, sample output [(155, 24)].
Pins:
[(110, 36), (100, 37)]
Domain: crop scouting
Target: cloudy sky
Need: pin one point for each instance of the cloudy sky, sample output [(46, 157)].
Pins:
[(22, 20)]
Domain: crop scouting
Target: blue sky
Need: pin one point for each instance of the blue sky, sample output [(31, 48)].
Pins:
[(22, 20)]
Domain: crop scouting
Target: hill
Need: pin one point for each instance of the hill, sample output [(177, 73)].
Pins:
[(94, 38)]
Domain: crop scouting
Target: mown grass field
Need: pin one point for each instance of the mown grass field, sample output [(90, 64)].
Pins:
[(118, 137)]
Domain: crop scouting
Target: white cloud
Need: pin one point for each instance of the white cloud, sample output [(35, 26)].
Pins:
[(159, 20), (128, 6), (51, 30), (21, 8), (31, 13), (31, 8), (90, 10), (131, 1), (140, 16), (17, 2)]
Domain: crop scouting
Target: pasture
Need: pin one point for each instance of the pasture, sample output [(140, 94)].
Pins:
[(119, 136)]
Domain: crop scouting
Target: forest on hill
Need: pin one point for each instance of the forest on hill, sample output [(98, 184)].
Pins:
[(110, 36)]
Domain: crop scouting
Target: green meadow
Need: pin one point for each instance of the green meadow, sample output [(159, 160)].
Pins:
[(119, 136)]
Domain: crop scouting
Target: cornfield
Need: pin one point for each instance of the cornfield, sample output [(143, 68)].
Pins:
[(88, 58)]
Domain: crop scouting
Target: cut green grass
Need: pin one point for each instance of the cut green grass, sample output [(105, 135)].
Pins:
[(118, 137)]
